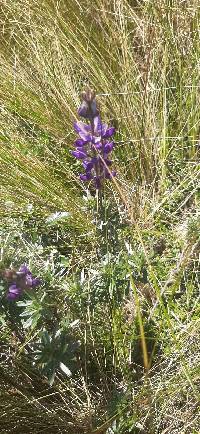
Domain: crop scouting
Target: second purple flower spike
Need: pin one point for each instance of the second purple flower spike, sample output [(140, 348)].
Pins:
[(95, 142), (19, 281)]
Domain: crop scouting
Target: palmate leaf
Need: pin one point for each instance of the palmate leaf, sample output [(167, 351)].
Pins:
[(56, 352)]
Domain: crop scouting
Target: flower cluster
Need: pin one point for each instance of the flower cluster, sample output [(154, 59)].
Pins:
[(94, 143), (19, 281)]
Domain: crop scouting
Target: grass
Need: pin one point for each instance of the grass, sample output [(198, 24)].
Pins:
[(130, 274)]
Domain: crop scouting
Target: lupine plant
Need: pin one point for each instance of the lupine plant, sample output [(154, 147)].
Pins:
[(94, 143), (120, 266)]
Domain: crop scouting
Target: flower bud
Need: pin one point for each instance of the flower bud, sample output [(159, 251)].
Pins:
[(88, 108)]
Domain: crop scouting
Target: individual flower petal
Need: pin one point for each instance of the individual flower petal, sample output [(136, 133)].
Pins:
[(97, 142), (79, 153), (99, 128), (36, 282), (79, 142), (81, 126), (88, 165), (109, 132), (85, 177), (23, 269), (83, 130), (108, 147), (13, 288), (28, 281), (12, 296)]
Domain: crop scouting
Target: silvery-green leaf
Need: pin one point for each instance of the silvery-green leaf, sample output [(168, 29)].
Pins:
[(74, 323), (57, 216), (65, 369)]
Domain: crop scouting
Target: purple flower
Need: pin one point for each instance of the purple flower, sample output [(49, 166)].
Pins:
[(79, 153), (13, 292), (86, 177), (89, 164), (108, 147), (19, 281), (83, 130), (94, 132), (79, 143), (102, 130), (93, 146)]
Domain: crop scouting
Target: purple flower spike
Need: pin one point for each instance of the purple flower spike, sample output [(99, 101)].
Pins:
[(19, 281), (92, 146)]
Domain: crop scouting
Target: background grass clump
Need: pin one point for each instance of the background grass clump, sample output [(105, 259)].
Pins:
[(109, 342)]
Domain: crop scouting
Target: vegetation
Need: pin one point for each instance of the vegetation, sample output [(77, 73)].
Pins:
[(108, 342)]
